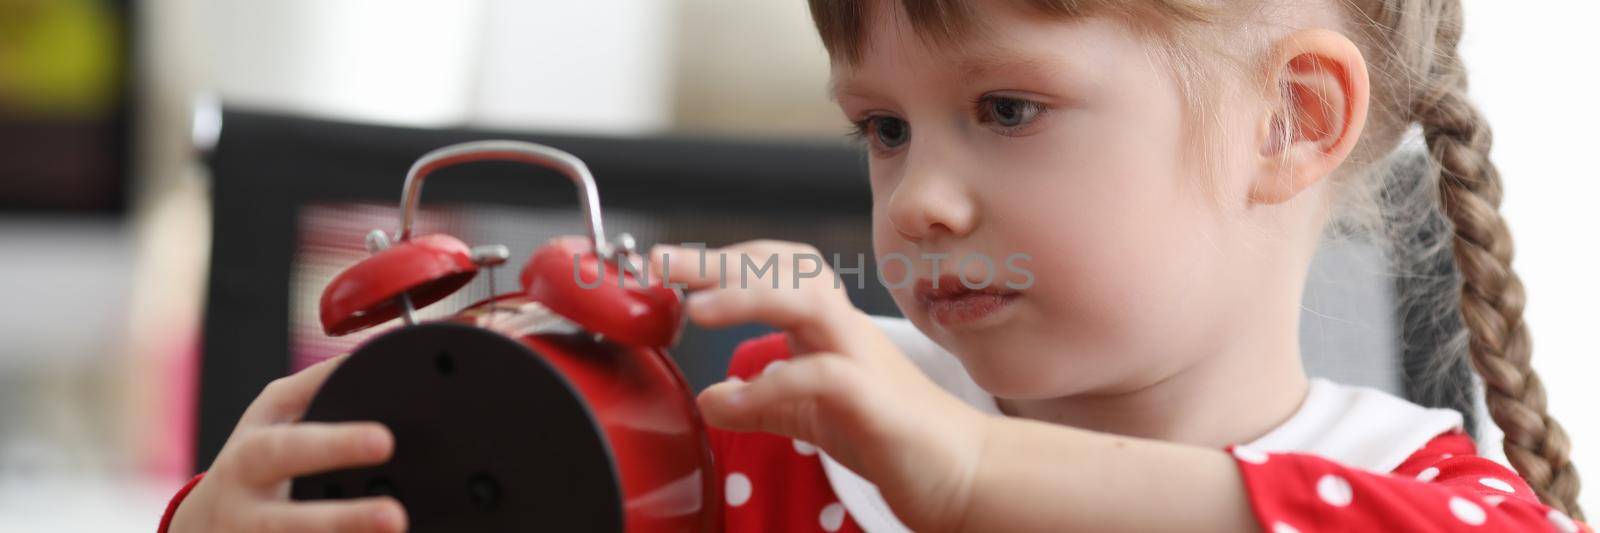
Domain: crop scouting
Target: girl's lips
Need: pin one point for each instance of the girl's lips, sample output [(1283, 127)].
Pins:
[(952, 303)]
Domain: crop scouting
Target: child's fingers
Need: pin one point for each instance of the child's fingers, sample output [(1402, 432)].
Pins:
[(784, 400), (817, 320), (749, 263), (272, 454), (796, 295), (285, 399), (362, 515), (784, 308), (693, 268)]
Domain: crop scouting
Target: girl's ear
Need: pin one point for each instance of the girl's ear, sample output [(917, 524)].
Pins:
[(1321, 82)]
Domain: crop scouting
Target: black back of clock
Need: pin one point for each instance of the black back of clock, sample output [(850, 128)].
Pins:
[(488, 436)]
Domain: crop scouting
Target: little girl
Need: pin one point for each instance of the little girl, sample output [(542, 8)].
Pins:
[(1167, 167)]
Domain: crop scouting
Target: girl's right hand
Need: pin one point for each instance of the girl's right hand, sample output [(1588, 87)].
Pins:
[(247, 488)]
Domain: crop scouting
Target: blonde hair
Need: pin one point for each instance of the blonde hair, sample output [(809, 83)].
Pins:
[(1426, 209)]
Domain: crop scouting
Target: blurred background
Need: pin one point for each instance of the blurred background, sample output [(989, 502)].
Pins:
[(126, 125)]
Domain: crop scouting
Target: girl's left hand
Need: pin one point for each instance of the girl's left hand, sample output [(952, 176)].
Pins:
[(847, 388)]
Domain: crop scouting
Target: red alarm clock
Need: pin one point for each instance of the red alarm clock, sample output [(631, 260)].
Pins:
[(552, 408)]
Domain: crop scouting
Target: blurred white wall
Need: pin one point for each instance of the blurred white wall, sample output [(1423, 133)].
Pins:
[(597, 66), (752, 67), (594, 66), (1529, 64), (403, 61)]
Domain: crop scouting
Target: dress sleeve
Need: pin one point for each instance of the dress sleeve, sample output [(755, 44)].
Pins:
[(1444, 486), (772, 483), (172, 506)]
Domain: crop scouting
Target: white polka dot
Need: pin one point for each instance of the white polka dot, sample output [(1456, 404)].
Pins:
[(804, 448), (832, 517), (1280, 527), (1467, 512), (773, 366), (1561, 521), (1427, 474), (1334, 490), (1497, 484), (1494, 501), (1249, 455), (1446, 456), (737, 489)]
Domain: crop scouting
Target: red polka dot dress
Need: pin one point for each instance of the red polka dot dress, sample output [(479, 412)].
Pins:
[(773, 483), (1401, 467)]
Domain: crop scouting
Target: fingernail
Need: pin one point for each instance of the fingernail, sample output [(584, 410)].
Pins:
[(736, 397), (701, 298), (377, 443), (774, 366), (388, 518), (660, 250)]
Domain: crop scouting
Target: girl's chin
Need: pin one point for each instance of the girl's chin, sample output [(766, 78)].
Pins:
[(1019, 379)]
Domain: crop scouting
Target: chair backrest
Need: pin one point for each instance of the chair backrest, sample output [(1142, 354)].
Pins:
[(294, 196)]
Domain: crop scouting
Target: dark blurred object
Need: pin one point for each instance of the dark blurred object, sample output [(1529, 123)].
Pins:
[(294, 197), (65, 97)]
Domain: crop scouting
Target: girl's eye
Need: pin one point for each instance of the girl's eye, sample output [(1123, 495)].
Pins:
[(882, 133), (889, 132), (1008, 112)]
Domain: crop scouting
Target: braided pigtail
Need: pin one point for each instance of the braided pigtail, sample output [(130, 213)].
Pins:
[(1491, 294)]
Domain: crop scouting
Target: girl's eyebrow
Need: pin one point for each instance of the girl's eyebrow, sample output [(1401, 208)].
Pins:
[(979, 66), (845, 87), (837, 87), (975, 66)]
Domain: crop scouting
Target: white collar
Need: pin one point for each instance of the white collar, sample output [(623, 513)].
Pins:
[(1356, 426)]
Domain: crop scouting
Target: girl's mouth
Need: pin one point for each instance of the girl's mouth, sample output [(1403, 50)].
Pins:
[(953, 303)]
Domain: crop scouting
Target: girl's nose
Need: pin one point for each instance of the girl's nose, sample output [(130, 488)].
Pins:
[(928, 203)]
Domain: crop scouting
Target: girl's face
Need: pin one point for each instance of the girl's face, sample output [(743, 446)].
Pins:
[(1061, 140)]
